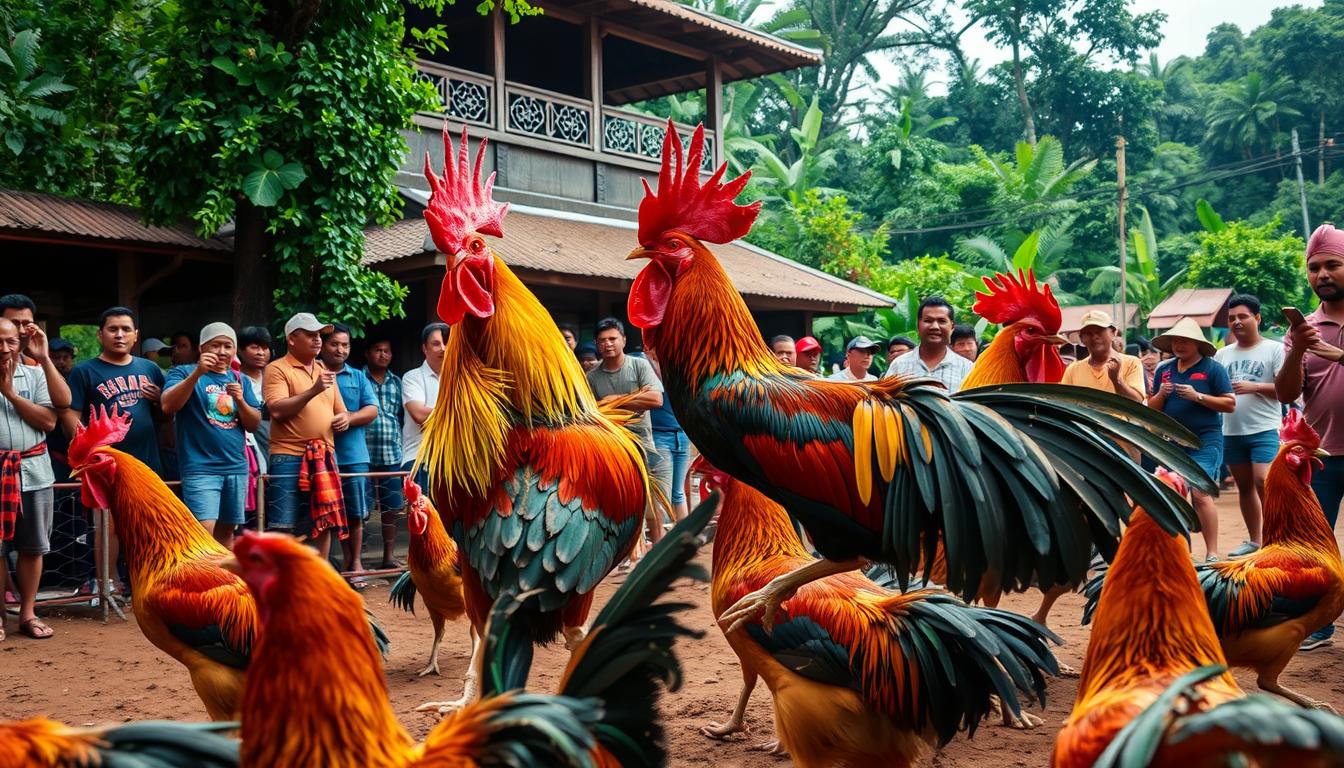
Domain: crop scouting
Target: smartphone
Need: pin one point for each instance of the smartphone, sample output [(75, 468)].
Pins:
[(1294, 316)]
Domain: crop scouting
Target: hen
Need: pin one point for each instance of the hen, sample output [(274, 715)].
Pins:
[(43, 743), (1264, 605), (1017, 480), (861, 675), (431, 571), (323, 672), (1155, 689), (541, 491)]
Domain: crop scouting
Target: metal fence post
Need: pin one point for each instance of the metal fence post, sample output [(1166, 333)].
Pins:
[(104, 569), (261, 503)]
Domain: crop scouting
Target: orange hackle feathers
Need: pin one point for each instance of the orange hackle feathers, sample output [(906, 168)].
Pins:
[(1295, 429), (703, 211), (104, 429), (39, 743), (1014, 298), (459, 203)]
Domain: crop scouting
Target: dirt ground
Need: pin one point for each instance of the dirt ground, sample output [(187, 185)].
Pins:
[(93, 673)]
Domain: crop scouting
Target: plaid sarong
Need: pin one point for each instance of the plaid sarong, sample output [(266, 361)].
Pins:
[(11, 487), (319, 478)]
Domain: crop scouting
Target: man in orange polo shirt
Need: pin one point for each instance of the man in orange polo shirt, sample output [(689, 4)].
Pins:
[(305, 408)]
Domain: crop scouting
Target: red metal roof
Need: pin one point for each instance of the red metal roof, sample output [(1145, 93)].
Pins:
[(1207, 306), (38, 216)]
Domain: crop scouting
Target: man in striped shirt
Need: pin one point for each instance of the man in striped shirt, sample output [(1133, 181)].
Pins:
[(384, 439)]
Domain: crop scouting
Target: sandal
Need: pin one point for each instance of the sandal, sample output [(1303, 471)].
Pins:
[(36, 629), (359, 584), (391, 564)]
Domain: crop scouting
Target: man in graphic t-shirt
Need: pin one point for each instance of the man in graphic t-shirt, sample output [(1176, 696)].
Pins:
[(115, 378), (213, 409)]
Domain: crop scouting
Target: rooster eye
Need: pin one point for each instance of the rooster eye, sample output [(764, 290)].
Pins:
[(476, 245), (674, 243)]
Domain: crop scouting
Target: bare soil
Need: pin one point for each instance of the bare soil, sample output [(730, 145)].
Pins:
[(92, 673)]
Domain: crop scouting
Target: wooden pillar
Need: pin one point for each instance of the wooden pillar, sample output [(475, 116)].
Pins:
[(594, 71), (714, 105), (128, 290), (501, 103)]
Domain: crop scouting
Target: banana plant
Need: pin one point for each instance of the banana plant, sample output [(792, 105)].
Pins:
[(1144, 286), (1041, 251), (1037, 173), (784, 181)]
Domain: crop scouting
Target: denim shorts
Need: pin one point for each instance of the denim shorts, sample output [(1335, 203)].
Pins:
[(675, 448), (1209, 456), (355, 494), (387, 490), (1259, 448), (286, 508), (216, 497)]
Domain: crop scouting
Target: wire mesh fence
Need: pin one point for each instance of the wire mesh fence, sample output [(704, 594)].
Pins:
[(74, 574)]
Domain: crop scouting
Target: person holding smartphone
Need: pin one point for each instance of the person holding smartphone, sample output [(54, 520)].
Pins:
[(1195, 390), (1313, 369)]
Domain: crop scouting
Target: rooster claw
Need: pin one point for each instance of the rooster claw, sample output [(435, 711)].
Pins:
[(721, 731), (764, 602), (1067, 672), (442, 707), (432, 668), (772, 748)]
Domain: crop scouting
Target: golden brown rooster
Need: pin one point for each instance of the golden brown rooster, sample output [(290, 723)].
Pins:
[(861, 675), (1017, 480), (1155, 689), (542, 492), (1264, 605), (320, 669), (1025, 348), (43, 743), (431, 571)]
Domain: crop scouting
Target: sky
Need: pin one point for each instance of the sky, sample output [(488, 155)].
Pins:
[(1188, 24)]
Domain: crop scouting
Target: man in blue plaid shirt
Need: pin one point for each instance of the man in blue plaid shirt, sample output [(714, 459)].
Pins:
[(384, 439)]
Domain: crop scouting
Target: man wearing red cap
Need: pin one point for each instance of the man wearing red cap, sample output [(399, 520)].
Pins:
[(808, 351), (1313, 367)]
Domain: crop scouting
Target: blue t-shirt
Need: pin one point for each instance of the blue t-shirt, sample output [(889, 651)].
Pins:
[(96, 383), (663, 419), (356, 392), (209, 435), (1209, 378)]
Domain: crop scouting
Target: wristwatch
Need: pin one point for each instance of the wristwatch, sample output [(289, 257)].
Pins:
[(1201, 397)]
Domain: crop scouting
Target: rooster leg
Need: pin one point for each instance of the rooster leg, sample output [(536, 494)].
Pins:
[(470, 686), (1294, 696), (1024, 721), (766, 600), (434, 650), (737, 722), (773, 748)]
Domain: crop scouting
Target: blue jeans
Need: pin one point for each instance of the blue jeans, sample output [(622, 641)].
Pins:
[(286, 508), (387, 490), (355, 494), (675, 448), (216, 497), (1328, 483)]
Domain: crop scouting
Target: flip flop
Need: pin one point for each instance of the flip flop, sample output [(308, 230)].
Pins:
[(359, 584), (34, 628)]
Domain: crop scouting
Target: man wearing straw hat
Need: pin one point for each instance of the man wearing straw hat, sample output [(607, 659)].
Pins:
[(1195, 390)]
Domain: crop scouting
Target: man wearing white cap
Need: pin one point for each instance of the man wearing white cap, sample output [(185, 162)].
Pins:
[(301, 396), (1104, 368), (213, 410)]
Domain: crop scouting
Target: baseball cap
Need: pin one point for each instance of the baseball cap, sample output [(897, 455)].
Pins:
[(1096, 317), (57, 344), (807, 344), (215, 330), (152, 345), (306, 321), (862, 342)]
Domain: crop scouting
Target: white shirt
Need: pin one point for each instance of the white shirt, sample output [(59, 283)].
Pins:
[(30, 383), (1258, 365), (420, 385), (951, 370), (845, 375)]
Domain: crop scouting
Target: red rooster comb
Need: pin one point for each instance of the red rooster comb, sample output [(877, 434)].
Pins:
[(105, 428), (412, 491), (458, 203), (1173, 480), (704, 211), (1016, 298), (1295, 429)]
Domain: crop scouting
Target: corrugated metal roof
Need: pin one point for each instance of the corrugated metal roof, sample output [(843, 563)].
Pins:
[(34, 213), (1208, 306), (574, 244), (731, 28)]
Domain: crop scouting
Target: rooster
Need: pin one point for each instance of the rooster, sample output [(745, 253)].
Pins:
[(540, 489), (185, 603), (43, 743), (861, 675), (1025, 348), (1155, 689), (431, 564), (1264, 605), (323, 672), (1017, 480)]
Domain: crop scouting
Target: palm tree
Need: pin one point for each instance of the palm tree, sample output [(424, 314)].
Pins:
[(1179, 98), (1038, 172), (1246, 114), (792, 24), (781, 180), (1042, 251), (1143, 285)]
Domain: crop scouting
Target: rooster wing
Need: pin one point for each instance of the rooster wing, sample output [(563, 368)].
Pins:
[(207, 608), (1274, 585)]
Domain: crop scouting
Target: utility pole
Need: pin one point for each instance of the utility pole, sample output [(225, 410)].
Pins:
[(1301, 188), (1124, 265)]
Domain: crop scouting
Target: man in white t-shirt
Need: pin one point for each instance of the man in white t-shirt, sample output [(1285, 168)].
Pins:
[(1251, 432), (419, 393), (859, 354)]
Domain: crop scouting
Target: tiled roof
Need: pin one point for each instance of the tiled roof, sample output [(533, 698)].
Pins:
[(35, 214), (731, 28), (574, 244)]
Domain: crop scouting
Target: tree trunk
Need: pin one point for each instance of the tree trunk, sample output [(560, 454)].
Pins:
[(1320, 152), (253, 275), (1019, 78)]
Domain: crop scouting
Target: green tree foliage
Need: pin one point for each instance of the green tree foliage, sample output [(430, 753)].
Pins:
[(1249, 259), (1145, 284), (1248, 114), (824, 233), (932, 276)]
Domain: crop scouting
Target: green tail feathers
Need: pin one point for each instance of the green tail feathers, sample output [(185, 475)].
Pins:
[(164, 744), (403, 593)]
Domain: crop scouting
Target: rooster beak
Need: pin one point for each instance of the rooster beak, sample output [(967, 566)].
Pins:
[(640, 253), (1056, 340), (75, 472), (1322, 454), (231, 565)]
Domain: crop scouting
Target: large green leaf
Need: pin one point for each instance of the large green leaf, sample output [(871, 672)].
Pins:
[(270, 178), (1208, 217), (1025, 256)]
